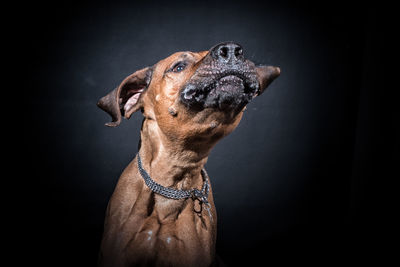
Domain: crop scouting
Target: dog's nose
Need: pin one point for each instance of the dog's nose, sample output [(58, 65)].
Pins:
[(227, 52)]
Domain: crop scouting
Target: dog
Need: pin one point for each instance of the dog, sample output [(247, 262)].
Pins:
[(162, 211)]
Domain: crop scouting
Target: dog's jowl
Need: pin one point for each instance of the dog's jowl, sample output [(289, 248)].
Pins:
[(162, 211)]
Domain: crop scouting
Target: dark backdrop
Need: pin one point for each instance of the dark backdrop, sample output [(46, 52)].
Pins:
[(297, 181)]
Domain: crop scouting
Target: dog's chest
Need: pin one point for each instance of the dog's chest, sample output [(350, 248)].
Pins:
[(179, 243)]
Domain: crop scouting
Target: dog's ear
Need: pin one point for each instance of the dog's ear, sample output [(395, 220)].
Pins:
[(127, 97), (265, 76)]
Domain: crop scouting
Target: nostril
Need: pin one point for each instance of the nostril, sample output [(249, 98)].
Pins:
[(223, 52), (238, 51), (227, 52)]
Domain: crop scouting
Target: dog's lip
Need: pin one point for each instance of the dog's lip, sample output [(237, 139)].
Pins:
[(217, 75), (229, 76), (230, 80), (210, 81)]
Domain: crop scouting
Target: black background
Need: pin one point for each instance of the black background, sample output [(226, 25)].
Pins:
[(300, 179)]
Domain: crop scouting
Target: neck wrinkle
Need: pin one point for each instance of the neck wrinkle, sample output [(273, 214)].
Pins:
[(170, 165)]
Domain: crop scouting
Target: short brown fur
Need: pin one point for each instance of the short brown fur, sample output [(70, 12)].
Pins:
[(146, 229)]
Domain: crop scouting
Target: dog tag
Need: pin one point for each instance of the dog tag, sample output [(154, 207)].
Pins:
[(197, 206)]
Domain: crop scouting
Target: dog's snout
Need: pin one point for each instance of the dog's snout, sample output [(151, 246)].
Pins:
[(227, 52)]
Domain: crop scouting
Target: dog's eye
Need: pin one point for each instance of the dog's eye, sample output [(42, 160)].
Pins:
[(180, 66)]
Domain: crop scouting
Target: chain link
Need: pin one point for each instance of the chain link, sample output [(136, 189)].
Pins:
[(201, 195)]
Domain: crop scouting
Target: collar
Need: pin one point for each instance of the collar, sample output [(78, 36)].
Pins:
[(201, 195)]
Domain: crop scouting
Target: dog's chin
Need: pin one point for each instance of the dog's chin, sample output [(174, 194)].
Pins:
[(228, 93)]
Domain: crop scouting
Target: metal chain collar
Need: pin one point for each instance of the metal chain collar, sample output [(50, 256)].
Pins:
[(201, 195)]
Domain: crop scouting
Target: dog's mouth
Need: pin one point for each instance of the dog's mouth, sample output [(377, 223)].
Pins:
[(229, 88)]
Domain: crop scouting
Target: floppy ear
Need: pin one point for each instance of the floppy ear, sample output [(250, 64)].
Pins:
[(127, 97), (265, 76)]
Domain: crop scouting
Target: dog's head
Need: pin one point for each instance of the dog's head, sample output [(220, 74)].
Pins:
[(192, 93), (225, 80)]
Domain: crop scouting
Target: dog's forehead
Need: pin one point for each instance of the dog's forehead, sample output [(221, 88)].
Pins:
[(181, 56)]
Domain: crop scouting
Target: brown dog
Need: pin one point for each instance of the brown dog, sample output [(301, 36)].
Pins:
[(162, 211)]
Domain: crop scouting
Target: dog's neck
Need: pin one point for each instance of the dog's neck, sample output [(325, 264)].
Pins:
[(177, 166)]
